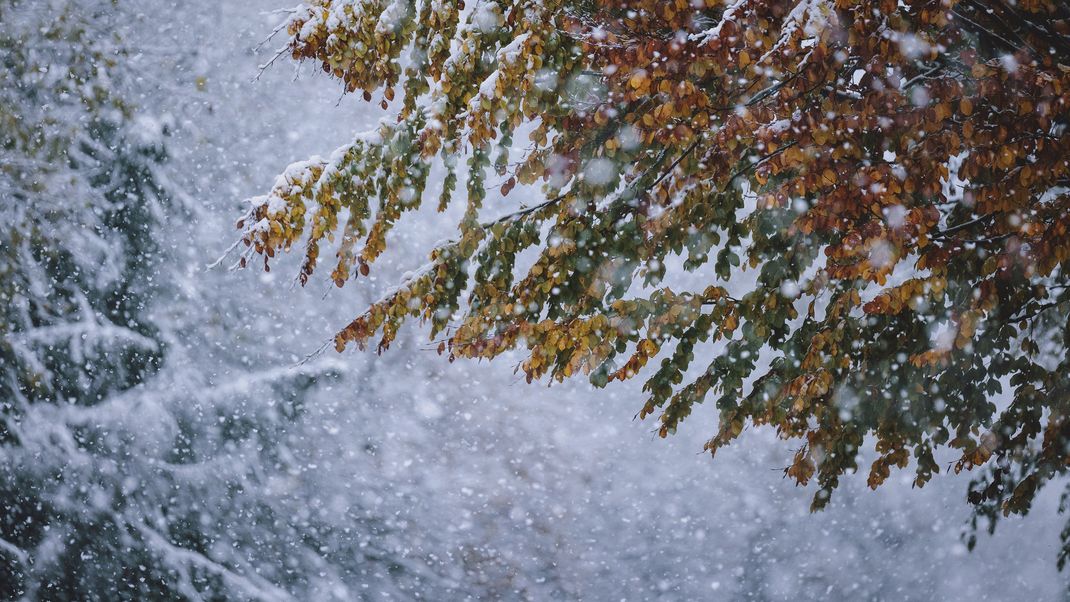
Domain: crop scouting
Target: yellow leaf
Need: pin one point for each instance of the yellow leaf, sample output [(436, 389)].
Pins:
[(638, 79)]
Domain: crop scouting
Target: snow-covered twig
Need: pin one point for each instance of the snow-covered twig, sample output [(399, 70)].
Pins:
[(17, 552), (178, 556), (262, 68)]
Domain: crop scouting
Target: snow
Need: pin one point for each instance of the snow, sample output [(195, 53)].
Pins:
[(193, 450), (808, 18), (729, 14)]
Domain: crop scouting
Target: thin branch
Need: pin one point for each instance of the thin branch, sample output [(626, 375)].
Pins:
[(949, 231), (261, 588), (281, 26), (268, 64), (1037, 310), (222, 257), (22, 555), (675, 163), (921, 76)]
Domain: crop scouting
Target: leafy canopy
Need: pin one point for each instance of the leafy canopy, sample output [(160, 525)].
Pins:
[(872, 194)]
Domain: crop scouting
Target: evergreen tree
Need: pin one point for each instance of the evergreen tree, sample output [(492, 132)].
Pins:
[(140, 458), (870, 197), (77, 257), (110, 467)]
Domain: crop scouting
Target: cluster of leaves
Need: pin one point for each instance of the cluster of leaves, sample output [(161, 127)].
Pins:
[(894, 174)]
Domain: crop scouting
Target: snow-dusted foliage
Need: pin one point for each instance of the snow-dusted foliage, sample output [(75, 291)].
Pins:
[(871, 195)]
